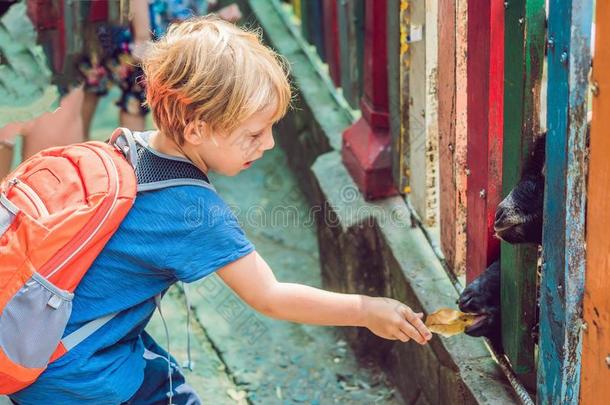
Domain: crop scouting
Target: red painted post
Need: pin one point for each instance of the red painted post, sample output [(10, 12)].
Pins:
[(485, 113), (367, 144), (496, 125), (478, 130), (331, 40)]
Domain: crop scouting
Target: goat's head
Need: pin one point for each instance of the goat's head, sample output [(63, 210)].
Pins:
[(519, 215)]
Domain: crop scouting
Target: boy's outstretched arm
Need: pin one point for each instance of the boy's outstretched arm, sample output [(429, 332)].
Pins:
[(252, 279)]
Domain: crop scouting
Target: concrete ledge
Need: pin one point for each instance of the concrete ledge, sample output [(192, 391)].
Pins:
[(372, 248)]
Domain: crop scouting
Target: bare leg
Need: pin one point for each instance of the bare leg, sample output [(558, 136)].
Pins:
[(90, 101), (62, 127), (133, 122), (7, 136), (6, 157)]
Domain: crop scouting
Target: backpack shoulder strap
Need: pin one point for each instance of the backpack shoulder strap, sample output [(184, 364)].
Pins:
[(156, 170)]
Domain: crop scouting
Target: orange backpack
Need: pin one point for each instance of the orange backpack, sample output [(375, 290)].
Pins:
[(57, 211)]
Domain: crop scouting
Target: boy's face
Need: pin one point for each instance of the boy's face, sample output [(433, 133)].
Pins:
[(229, 154)]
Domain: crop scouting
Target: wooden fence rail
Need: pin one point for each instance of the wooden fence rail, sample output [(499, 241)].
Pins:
[(524, 55), (562, 281), (452, 111), (465, 81), (596, 304)]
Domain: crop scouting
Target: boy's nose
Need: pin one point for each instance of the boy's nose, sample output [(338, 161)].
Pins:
[(270, 142)]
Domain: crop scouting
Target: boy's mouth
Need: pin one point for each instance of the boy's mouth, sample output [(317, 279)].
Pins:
[(250, 162)]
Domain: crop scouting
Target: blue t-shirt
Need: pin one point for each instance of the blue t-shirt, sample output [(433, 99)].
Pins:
[(181, 233)]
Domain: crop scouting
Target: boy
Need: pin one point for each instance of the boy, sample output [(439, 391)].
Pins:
[(215, 92)]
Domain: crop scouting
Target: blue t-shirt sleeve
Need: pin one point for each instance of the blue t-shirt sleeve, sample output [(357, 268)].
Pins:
[(214, 240)]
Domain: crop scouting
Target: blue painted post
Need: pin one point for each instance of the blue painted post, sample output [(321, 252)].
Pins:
[(562, 282), (317, 26)]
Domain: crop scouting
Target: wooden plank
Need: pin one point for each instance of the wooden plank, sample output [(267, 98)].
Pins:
[(331, 40), (461, 136), (416, 101), (351, 43), (447, 121), (317, 26), (479, 37), (296, 7), (596, 303), (431, 217), (306, 16), (397, 42), (452, 115), (562, 282), (523, 75), (496, 125), (422, 105)]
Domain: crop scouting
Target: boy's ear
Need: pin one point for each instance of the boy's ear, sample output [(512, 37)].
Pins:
[(196, 133)]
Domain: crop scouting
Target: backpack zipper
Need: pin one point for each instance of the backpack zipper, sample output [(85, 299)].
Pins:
[(85, 233), (31, 194)]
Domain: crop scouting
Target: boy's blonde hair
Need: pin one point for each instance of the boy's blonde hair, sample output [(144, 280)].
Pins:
[(206, 69)]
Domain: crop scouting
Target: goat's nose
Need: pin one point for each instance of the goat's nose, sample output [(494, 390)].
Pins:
[(500, 218), (464, 300)]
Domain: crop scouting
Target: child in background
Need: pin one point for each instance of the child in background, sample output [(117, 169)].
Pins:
[(115, 52), (40, 95), (215, 92)]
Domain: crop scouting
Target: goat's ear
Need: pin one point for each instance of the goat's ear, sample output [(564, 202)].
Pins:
[(536, 160), (540, 147)]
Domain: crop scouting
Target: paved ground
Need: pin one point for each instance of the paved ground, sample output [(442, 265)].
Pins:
[(240, 356), (247, 354)]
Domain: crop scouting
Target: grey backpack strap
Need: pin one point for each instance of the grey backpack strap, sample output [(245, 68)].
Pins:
[(85, 331), (155, 170), (124, 141)]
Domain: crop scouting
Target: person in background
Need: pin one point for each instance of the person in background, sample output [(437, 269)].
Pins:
[(116, 51), (112, 57), (28, 96)]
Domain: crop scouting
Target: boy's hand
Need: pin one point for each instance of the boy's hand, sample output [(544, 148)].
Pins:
[(391, 319)]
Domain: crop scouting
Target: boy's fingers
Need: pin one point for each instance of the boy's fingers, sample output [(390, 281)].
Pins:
[(400, 335), (410, 331), (416, 320), (423, 329)]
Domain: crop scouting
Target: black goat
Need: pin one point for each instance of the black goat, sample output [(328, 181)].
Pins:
[(518, 220), (519, 216)]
